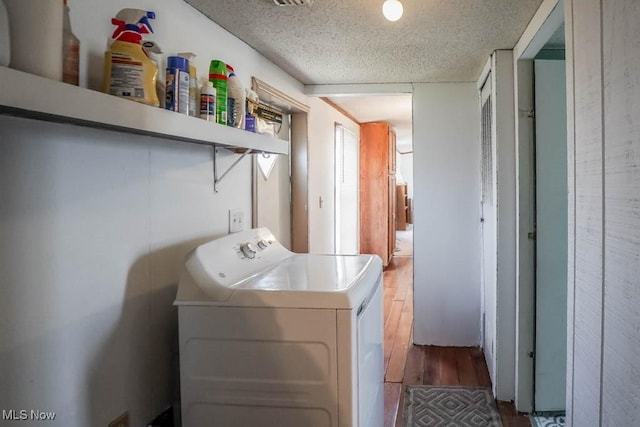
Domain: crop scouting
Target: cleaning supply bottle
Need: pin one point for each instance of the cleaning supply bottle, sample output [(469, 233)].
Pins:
[(251, 118), (208, 102), (36, 37), (177, 98), (218, 76), (129, 73), (70, 51), (154, 52), (193, 83), (235, 100)]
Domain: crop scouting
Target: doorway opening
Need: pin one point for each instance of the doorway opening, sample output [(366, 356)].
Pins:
[(386, 191), (541, 134), (404, 201), (385, 156), (280, 183)]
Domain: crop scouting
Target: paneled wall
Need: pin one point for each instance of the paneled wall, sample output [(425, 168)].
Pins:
[(446, 133), (604, 212)]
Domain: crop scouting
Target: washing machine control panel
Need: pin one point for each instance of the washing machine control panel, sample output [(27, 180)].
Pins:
[(227, 261), (248, 250), (254, 248)]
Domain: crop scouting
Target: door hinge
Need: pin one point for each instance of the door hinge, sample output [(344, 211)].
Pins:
[(481, 219), (531, 114), (531, 235), (531, 355)]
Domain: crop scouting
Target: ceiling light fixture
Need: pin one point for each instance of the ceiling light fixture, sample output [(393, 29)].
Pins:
[(392, 10)]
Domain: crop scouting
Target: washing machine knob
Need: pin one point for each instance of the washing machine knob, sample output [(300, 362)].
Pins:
[(262, 244), (248, 250)]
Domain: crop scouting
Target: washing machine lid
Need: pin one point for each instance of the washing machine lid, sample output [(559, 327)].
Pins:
[(275, 277), (313, 281)]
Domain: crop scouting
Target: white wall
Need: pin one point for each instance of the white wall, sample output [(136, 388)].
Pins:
[(446, 132), (94, 226), (603, 63)]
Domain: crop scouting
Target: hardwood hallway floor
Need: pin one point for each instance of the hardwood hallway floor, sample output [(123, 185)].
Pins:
[(406, 364)]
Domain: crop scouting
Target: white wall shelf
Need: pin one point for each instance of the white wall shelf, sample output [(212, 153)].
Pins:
[(31, 96)]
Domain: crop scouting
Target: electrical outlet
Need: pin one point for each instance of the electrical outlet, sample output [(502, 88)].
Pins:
[(236, 220), (120, 421)]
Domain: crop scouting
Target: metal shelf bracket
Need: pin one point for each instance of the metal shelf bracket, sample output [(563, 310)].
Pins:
[(218, 178)]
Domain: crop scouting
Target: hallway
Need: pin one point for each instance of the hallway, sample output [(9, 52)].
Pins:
[(406, 364)]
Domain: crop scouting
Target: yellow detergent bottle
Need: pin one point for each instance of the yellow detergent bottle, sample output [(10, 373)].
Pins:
[(129, 73)]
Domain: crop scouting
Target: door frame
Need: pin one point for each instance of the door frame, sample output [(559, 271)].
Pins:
[(546, 21), (298, 162)]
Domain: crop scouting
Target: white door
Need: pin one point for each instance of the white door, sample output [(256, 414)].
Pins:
[(551, 235), (489, 233), (346, 191)]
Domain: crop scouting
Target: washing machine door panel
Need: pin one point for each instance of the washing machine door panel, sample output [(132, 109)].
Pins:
[(370, 361)]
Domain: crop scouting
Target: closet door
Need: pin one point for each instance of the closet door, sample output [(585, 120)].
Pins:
[(375, 190)]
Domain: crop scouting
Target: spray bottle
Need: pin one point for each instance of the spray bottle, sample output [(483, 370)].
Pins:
[(218, 76), (236, 99), (129, 73), (177, 89), (193, 83)]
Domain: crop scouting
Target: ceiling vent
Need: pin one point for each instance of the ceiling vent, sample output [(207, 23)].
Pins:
[(293, 2)]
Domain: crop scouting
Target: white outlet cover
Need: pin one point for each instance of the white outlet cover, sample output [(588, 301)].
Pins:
[(236, 220)]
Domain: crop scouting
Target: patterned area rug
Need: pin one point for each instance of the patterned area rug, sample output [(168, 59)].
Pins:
[(551, 421), (450, 406)]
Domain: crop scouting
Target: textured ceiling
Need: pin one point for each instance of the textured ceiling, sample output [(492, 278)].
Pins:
[(349, 41), (393, 109)]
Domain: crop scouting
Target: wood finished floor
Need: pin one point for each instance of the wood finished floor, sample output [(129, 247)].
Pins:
[(406, 364)]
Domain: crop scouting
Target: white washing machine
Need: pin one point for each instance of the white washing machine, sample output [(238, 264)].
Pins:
[(271, 338)]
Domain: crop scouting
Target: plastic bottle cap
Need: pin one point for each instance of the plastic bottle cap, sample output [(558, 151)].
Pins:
[(178, 62)]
